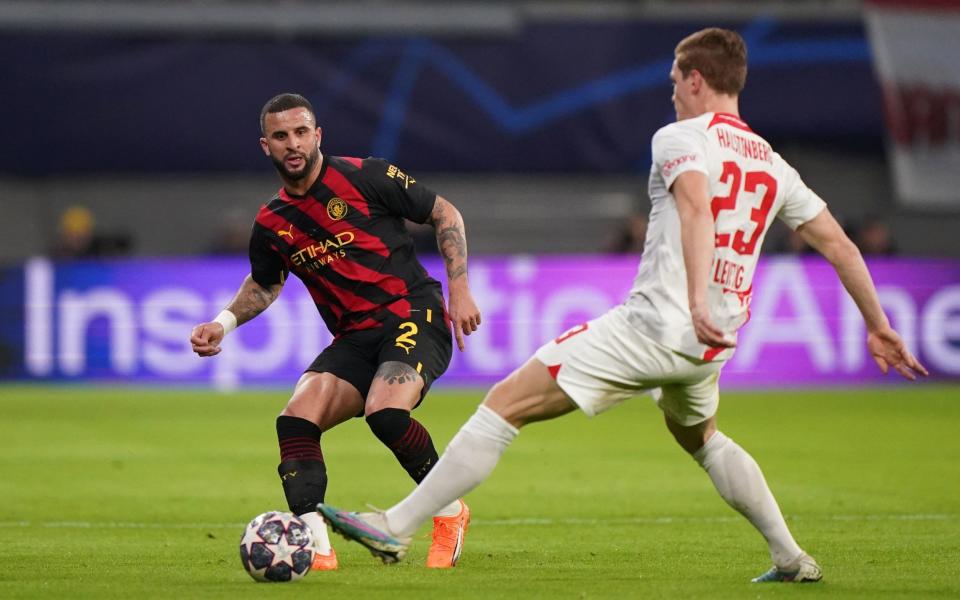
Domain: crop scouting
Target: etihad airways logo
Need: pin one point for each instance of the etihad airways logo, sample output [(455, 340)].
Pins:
[(323, 253)]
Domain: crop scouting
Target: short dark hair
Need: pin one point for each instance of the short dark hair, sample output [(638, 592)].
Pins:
[(282, 102), (720, 55)]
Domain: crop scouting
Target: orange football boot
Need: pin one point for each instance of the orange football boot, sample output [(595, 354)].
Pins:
[(324, 562), (448, 534)]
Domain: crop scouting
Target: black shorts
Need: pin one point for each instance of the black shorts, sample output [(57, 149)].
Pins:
[(423, 341)]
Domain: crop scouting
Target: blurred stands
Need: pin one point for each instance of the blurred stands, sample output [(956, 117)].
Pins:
[(505, 113), (78, 236)]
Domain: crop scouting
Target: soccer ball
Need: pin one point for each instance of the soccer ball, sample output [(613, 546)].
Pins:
[(276, 546)]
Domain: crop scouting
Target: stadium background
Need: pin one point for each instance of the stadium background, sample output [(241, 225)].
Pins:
[(136, 122)]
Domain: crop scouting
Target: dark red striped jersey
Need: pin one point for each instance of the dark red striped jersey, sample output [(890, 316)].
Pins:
[(346, 240)]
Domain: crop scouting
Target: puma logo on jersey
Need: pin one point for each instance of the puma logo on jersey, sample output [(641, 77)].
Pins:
[(288, 232)]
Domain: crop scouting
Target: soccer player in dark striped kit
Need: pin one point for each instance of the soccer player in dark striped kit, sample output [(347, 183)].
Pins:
[(337, 223)]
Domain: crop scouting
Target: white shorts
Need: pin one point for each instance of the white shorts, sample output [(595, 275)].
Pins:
[(603, 362)]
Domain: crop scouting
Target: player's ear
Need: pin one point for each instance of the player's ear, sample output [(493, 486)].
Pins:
[(696, 81), (264, 146), (319, 135)]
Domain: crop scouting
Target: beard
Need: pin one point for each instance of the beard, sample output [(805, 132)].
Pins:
[(309, 161)]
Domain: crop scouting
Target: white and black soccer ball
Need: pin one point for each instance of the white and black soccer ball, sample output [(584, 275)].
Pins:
[(277, 546)]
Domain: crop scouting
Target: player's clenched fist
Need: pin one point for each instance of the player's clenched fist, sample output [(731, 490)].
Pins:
[(206, 337)]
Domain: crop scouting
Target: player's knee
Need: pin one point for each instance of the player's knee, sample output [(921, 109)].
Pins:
[(310, 390), (499, 400), (304, 406), (519, 403), (691, 437), (321, 399), (297, 409)]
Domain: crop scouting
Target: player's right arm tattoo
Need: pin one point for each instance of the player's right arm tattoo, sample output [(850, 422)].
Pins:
[(451, 238), (252, 299)]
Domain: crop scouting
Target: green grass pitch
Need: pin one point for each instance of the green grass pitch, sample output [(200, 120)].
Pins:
[(133, 493)]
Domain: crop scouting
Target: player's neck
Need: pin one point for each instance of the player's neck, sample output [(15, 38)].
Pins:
[(300, 187), (721, 103)]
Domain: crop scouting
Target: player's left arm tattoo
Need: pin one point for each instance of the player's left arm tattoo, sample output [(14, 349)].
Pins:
[(396, 372), (451, 238)]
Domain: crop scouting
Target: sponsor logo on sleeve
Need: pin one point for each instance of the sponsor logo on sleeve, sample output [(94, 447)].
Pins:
[(671, 165), (402, 178)]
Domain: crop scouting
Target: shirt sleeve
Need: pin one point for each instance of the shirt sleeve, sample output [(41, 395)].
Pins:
[(267, 266), (677, 149), (400, 192), (800, 202)]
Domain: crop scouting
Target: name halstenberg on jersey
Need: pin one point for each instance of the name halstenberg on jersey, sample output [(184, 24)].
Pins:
[(746, 148)]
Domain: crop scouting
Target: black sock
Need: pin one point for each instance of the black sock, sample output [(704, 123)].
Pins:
[(407, 438), (302, 470)]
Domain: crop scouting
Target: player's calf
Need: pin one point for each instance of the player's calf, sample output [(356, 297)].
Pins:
[(303, 474), (409, 441)]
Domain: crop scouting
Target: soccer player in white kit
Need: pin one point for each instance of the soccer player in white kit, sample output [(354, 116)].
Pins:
[(715, 187)]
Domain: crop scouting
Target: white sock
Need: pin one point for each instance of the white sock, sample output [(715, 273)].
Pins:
[(450, 510), (740, 482), (321, 538), (468, 460)]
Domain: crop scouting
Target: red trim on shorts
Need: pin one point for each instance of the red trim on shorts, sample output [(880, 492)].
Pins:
[(554, 370), (712, 353), (571, 332)]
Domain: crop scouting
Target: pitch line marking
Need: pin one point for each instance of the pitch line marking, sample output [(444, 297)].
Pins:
[(668, 520), (494, 522)]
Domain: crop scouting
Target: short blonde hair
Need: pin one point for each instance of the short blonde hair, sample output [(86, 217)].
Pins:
[(720, 55)]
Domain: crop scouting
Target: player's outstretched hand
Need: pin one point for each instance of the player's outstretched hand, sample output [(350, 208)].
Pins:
[(464, 315), (206, 337), (888, 350), (707, 332)]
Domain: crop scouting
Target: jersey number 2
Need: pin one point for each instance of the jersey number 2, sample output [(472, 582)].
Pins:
[(405, 340), (751, 181)]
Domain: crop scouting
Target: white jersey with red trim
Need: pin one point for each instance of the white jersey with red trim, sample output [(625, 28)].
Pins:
[(749, 185)]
